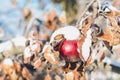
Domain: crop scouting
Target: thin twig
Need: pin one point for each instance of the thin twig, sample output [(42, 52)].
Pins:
[(80, 24), (77, 24), (28, 27)]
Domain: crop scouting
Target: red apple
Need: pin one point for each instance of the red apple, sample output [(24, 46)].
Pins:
[(69, 50)]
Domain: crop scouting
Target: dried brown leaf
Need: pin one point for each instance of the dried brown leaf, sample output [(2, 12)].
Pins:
[(69, 76), (115, 3), (37, 63), (51, 55), (48, 77), (26, 73), (57, 77)]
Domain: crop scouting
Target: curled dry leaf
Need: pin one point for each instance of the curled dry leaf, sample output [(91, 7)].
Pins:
[(106, 36), (13, 75), (114, 13), (35, 47), (57, 77), (27, 54), (17, 66), (26, 73), (114, 24), (50, 18), (48, 77), (76, 75), (112, 33), (37, 64), (2, 77), (27, 13), (69, 76), (51, 55), (7, 65), (34, 35)]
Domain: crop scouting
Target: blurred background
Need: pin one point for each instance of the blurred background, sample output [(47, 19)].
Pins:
[(19, 17), (12, 13)]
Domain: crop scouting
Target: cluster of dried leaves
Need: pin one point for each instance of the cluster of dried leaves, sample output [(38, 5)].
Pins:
[(40, 61)]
